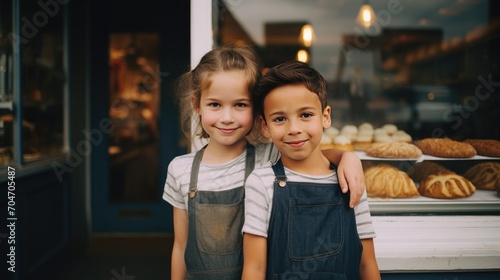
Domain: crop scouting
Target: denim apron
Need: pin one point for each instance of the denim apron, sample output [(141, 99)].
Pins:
[(312, 232), (215, 242)]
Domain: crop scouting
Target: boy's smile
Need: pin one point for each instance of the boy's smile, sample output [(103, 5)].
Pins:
[(295, 121)]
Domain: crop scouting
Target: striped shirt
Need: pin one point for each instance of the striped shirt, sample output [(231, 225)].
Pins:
[(211, 177), (259, 197)]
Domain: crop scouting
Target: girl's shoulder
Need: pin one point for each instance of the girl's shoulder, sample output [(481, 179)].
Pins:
[(181, 163)]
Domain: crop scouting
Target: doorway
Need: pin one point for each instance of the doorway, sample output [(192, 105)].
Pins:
[(135, 63)]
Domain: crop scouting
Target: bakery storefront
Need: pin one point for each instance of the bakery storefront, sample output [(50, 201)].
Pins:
[(413, 86)]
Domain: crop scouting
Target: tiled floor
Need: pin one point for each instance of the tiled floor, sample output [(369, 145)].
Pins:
[(122, 258)]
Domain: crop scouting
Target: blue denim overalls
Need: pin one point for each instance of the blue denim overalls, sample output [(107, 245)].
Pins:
[(312, 232), (215, 243)]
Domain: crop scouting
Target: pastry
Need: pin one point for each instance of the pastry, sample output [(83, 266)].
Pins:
[(350, 131), (365, 127), (331, 132), (342, 142), (402, 136), (485, 147), (422, 170), (445, 147), (446, 185), (362, 142), (485, 176), (390, 128), (393, 150), (326, 142), (384, 180)]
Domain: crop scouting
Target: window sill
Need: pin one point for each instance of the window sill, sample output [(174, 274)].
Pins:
[(437, 243), (32, 168)]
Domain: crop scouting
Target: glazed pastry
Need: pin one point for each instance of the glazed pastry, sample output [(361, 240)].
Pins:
[(445, 147), (384, 180), (485, 147), (446, 185), (485, 176), (393, 150)]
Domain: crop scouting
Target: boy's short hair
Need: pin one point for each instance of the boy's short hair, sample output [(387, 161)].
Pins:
[(289, 73)]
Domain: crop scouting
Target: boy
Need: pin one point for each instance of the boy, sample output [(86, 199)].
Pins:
[(297, 222)]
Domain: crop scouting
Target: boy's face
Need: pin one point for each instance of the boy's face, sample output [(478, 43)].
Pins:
[(294, 121)]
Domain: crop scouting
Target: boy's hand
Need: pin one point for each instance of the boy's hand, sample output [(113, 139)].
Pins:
[(351, 177)]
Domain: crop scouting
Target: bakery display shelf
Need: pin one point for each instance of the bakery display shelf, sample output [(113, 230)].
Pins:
[(362, 155), (482, 201)]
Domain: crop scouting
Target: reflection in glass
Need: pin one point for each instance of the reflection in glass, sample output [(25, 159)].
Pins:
[(412, 47), (134, 99), (43, 84), (6, 71)]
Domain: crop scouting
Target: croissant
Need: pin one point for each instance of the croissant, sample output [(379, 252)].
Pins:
[(446, 185), (485, 176), (384, 180)]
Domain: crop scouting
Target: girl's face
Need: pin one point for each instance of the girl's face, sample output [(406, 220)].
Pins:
[(226, 108)]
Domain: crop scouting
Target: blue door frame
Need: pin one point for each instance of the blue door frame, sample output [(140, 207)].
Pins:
[(150, 16)]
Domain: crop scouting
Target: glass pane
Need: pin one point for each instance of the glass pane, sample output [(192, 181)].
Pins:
[(134, 104), (43, 80), (6, 91), (418, 65)]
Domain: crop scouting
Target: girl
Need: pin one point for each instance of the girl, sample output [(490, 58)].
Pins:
[(206, 188)]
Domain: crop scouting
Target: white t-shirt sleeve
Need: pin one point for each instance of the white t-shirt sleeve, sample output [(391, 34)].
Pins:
[(364, 219), (257, 206), (172, 190)]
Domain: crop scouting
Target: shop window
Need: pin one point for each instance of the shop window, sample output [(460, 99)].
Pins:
[(6, 84), (32, 83), (377, 67), (429, 69)]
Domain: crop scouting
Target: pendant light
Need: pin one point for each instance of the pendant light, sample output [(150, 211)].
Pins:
[(366, 16)]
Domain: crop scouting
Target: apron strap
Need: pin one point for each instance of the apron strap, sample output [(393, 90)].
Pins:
[(250, 161), (279, 172), (195, 168)]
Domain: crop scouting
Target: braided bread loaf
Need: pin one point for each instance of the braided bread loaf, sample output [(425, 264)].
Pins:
[(485, 176), (446, 185), (384, 180)]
